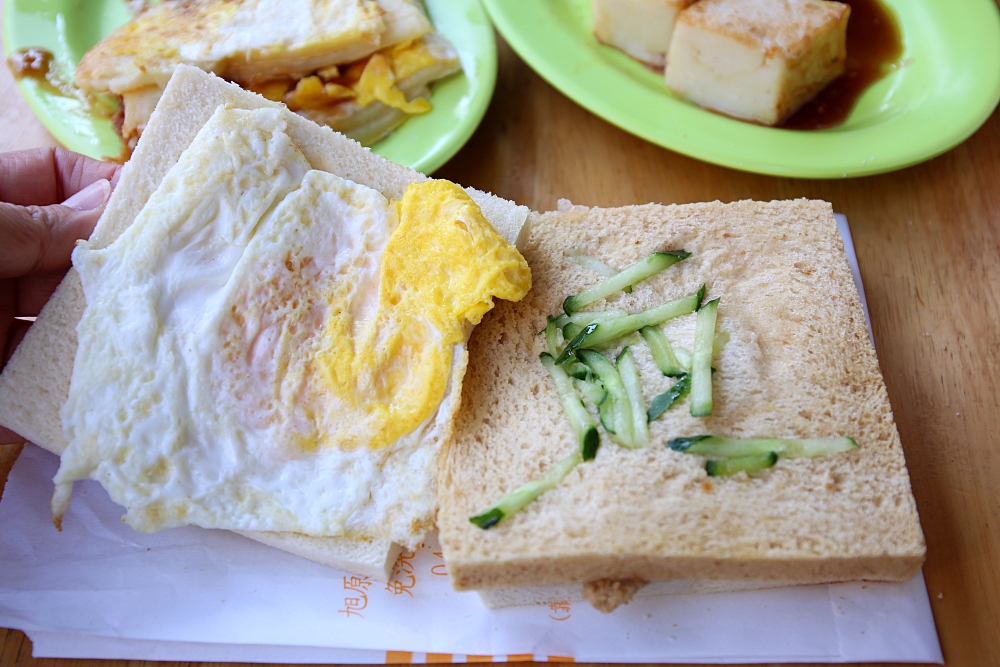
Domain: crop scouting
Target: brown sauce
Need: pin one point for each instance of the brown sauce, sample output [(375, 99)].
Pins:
[(39, 64), (873, 47), (32, 62)]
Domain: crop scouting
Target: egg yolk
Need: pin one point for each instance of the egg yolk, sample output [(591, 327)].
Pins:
[(441, 269)]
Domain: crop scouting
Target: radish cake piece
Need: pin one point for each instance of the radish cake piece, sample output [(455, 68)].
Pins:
[(640, 28), (758, 60)]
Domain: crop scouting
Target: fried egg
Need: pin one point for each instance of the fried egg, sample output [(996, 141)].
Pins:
[(270, 347)]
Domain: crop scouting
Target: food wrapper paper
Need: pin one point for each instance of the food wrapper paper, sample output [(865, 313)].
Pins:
[(100, 590)]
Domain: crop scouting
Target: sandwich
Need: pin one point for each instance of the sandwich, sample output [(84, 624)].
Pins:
[(791, 472), (754, 303), (359, 66), (258, 337)]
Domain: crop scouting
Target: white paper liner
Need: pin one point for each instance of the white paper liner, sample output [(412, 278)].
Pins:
[(100, 590)]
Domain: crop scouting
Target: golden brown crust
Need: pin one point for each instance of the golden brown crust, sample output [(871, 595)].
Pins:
[(243, 40), (776, 26)]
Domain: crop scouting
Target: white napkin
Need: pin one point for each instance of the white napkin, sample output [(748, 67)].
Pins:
[(100, 590)]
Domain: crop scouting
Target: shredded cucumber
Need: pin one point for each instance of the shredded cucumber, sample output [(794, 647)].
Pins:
[(516, 500), (579, 418), (619, 412), (552, 337), (629, 373), (644, 268), (605, 332), (592, 391), (710, 445), (662, 351), (748, 464), (667, 399), (701, 361)]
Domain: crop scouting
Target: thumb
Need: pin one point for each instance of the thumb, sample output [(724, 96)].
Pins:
[(39, 239)]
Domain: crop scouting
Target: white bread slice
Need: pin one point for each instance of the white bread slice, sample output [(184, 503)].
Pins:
[(799, 364), (35, 382)]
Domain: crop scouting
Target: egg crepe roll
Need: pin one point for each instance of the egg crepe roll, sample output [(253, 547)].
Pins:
[(339, 56)]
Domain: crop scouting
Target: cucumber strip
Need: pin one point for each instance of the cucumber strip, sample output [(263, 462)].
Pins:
[(629, 373), (605, 332), (552, 337), (710, 445), (583, 425), (747, 464), (683, 358), (594, 392), (644, 268), (662, 351), (666, 400), (577, 370), (701, 359), (620, 409), (571, 331), (585, 317), (574, 324), (607, 414), (517, 499), (569, 352), (593, 264)]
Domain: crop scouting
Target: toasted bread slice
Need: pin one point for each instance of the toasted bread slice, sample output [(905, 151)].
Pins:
[(799, 363), (35, 382)]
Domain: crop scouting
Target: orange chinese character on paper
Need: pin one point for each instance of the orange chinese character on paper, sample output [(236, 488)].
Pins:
[(354, 605), (560, 610), (400, 586), (403, 577), (439, 569)]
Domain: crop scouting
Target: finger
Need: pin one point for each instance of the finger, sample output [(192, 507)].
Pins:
[(34, 291), (46, 176), (8, 437), (40, 239)]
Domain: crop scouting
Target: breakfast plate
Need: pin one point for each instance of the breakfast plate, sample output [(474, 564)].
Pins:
[(943, 87), (68, 28)]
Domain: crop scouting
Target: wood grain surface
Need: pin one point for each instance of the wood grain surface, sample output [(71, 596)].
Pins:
[(928, 244)]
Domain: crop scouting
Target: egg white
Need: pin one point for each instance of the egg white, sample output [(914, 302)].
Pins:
[(191, 395)]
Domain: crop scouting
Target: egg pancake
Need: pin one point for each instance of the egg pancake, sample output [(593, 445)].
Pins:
[(270, 347), (271, 47)]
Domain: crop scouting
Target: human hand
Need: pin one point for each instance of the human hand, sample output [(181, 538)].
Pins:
[(49, 199)]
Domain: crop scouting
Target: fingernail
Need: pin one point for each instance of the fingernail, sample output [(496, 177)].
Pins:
[(90, 197)]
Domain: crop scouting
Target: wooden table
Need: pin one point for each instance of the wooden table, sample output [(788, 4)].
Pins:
[(928, 243)]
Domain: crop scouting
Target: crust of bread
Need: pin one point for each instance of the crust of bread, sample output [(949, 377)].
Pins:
[(368, 558), (606, 595), (799, 363), (35, 382)]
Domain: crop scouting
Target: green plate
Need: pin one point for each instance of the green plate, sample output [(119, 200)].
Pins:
[(946, 85), (68, 28)]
